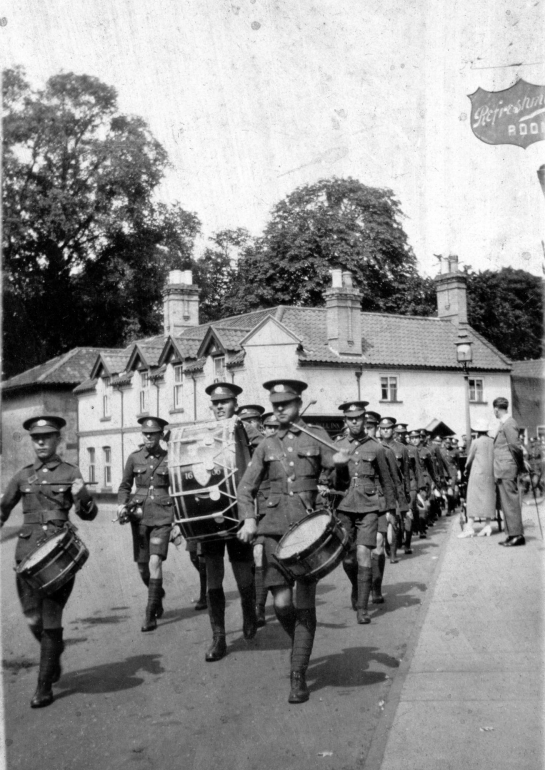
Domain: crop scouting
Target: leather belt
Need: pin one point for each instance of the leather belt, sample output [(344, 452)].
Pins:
[(42, 517)]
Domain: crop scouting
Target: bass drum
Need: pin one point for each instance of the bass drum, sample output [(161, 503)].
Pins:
[(206, 462)]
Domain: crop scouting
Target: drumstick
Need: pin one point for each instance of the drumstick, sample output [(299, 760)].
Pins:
[(310, 403), (328, 444)]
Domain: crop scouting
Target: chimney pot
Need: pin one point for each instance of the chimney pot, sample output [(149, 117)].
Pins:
[(347, 279), (336, 279)]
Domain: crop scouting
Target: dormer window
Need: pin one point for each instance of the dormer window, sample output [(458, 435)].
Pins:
[(144, 392), (219, 368), (178, 385)]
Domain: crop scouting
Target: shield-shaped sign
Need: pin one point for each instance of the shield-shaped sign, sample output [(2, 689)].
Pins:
[(515, 115)]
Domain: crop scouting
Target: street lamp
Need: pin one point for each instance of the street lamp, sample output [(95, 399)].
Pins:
[(464, 356)]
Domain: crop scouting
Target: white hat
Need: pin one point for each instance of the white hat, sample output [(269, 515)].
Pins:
[(481, 426)]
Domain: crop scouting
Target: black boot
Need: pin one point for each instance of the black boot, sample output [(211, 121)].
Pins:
[(377, 566), (249, 617), (299, 691), (365, 577), (286, 617), (351, 570), (216, 612), (155, 594), (50, 652), (260, 596), (201, 603)]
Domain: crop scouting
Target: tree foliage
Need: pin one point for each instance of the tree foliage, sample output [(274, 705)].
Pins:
[(506, 307), (332, 223), (86, 249)]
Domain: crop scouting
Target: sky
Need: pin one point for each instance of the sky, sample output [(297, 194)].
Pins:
[(253, 98)]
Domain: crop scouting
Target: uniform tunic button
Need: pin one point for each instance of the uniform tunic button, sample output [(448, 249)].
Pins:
[(292, 463), (290, 449), (291, 494), (290, 435)]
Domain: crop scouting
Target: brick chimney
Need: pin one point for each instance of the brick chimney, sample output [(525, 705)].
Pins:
[(180, 302), (451, 287), (343, 313)]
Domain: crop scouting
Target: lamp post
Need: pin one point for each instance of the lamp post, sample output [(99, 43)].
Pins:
[(464, 356)]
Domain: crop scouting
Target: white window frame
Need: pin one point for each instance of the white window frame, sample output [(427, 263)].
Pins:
[(91, 459), (390, 386), (107, 455), (178, 386), (219, 368), (143, 395), (474, 390)]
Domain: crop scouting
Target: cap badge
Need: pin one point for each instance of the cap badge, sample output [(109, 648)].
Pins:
[(41, 423), (149, 424), (279, 388), (352, 408)]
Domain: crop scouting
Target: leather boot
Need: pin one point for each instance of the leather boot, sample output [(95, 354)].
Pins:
[(216, 612), (299, 691), (201, 603), (249, 617), (50, 651)]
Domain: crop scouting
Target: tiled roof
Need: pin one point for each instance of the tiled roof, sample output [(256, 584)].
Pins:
[(195, 366), (534, 369), (86, 386), (230, 337), (71, 368), (116, 360), (247, 320), (151, 349), (236, 360)]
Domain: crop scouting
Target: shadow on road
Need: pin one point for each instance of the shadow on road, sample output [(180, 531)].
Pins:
[(100, 620), (110, 677), (349, 668), (399, 595)]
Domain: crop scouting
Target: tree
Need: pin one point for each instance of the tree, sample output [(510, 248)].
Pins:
[(506, 307), (332, 223), (86, 249)]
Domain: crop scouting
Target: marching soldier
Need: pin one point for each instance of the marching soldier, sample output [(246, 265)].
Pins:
[(149, 511), (400, 433), (48, 488), (401, 522), (450, 456), (293, 461), (417, 485), (270, 427), (251, 414), (223, 397)]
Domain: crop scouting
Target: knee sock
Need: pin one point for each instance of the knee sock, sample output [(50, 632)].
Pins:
[(365, 577), (303, 638), (351, 570), (378, 562), (51, 648), (155, 594), (202, 579), (286, 617), (216, 610), (247, 599), (260, 588)]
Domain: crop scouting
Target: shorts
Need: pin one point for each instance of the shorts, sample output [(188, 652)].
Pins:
[(382, 523), (149, 541), (237, 550), (32, 600), (273, 575), (361, 527)]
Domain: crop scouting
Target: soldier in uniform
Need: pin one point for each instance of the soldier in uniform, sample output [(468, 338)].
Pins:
[(223, 397), (450, 455), (251, 414), (400, 433), (48, 488), (378, 561), (401, 521), (417, 486), (508, 463), (293, 461), (270, 426), (149, 511)]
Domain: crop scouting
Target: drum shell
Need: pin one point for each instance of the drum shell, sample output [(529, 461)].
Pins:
[(319, 558), (200, 516), (57, 567)]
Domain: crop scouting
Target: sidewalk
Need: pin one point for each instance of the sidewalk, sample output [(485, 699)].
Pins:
[(472, 694)]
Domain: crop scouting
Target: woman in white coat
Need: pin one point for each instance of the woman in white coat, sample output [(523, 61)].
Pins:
[(481, 488)]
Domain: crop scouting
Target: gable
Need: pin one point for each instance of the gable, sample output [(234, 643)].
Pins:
[(270, 332)]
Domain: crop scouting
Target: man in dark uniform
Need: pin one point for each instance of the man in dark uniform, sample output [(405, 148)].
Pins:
[(270, 426), (364, 478), (251, 414), (401, 521), (293, 461), (450, 455), (223, 396), (150, 512), (400, 433), (378, 561), (48, 488), (417, 485)]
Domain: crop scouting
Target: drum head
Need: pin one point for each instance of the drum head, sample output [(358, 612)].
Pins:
[(308, 531), (44, 550)]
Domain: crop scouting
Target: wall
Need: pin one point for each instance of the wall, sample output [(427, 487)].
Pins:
[(528, 406)]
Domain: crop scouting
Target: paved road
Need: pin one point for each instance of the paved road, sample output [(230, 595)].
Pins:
[(128, 699)]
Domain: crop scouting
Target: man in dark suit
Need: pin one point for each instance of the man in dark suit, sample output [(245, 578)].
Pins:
[(508, 463)]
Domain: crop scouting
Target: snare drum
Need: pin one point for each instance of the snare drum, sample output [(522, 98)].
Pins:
[(206, 462), (313, 547), (54, 562)]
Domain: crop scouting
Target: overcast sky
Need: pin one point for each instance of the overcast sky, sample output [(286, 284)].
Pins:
[(253, 98)]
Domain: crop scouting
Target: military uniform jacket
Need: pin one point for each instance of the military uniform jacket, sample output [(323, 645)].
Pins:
[(428, 470), (535, 459), (403, 473), (46, 493), (450, 457), (150, 475), (416, 472), (293, 461), (440, 465), (508, 461), (366, 478)]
